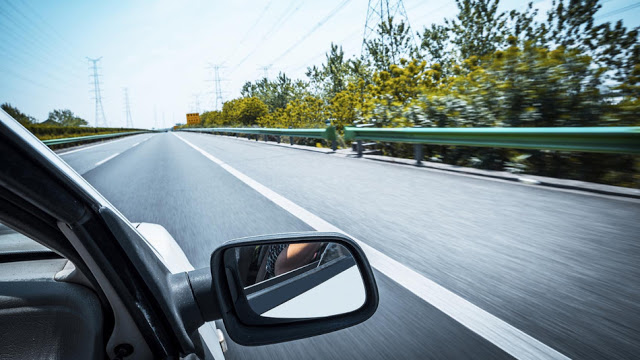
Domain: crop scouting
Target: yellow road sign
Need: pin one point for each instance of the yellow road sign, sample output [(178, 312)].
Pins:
[(193, 119)]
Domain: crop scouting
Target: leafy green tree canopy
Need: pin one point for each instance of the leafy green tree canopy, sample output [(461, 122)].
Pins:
[(275, 94), (237, 112), (65, 118), (18, 115)]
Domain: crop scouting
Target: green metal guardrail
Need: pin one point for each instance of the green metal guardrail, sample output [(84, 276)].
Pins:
[(622, 140), (88, 138), (328, 133)]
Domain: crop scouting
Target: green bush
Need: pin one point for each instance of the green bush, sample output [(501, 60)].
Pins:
[(46, 132)]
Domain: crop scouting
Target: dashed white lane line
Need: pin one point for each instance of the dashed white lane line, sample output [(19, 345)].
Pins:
[(498, 332), (107, 159), (118, 153)]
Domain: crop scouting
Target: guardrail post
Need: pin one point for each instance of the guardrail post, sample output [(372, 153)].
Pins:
[(278, 138), (266, 137), (418, 153), (359, 147), (331, 135)]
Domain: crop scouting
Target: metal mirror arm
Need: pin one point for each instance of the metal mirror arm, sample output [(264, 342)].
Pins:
[(206, 299)]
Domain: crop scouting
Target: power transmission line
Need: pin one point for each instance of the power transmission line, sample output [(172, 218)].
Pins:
[(129, 121), (21, 59), (255, 23), (19, 49), (196, 103), (618, 11), (31, 45), (24, 49), (330, 15), (250, 30), (100, 119), (305, 64), (289, 11), (420, 4), (31, 10), (38, 42), (19, 76)]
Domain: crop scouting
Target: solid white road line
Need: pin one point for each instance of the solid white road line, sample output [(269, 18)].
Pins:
[(501, 334), (107, 159)]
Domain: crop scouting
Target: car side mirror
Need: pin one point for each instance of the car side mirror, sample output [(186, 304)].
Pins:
[(284, 287)]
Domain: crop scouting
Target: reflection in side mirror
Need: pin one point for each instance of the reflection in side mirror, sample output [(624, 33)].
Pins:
[(282, 287), (298, 280)]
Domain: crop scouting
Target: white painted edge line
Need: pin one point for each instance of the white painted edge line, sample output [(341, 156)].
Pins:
[(498, 332), (107, 159), (95, 146), (520, 182)]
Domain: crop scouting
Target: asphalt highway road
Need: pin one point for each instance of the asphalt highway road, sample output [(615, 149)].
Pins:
[(561, 266)]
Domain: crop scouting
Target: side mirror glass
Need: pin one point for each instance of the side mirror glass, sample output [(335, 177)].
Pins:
[(298, 280), (289, 286)]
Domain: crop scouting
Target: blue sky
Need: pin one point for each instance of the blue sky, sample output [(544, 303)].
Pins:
[(161, 50)]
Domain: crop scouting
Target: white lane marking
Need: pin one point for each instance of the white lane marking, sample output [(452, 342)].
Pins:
[(501, 334), (140, 142), (118, 153), (95, 146), (610, 196), (107, 159)]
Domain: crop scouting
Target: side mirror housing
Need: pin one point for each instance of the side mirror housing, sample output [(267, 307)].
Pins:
[(285, 287)]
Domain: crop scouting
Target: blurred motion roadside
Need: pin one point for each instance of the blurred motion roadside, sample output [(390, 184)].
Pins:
[(485, 67)]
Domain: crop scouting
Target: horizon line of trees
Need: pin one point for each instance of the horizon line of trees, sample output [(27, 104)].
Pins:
[(59, 124), (61, 117)]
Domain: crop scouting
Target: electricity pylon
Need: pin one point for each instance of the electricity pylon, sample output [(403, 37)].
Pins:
[(100, 119), (218, 86), (265, 70), (127, 109), (381, 11)]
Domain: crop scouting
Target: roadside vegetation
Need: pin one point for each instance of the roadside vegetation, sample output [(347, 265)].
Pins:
[(59, 124), (483, 68)]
